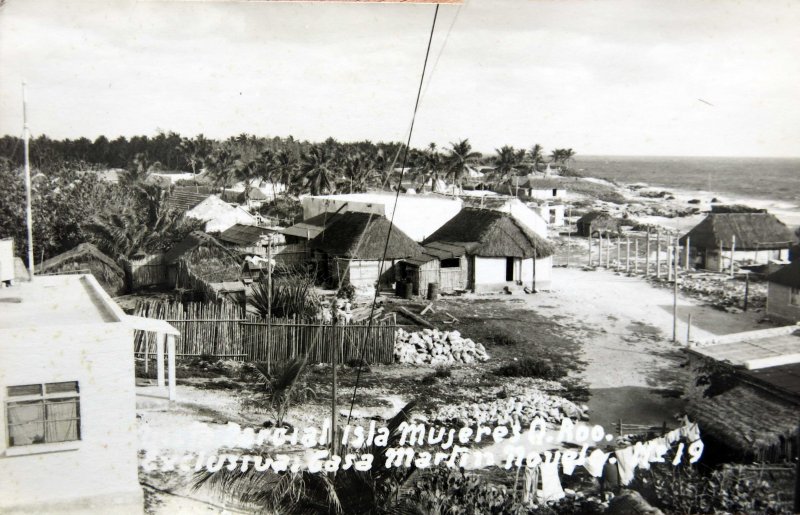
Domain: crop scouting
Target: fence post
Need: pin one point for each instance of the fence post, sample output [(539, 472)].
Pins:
[(733, 249), (627, 254), (658, 253), (647, 255), (636, 257)]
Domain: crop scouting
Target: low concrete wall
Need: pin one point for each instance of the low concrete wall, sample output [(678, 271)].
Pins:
[(779, 305)]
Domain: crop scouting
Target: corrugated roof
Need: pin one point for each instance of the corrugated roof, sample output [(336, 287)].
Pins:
[(312, 227), (244, 235), (753, 231), (489, 233), (185, 199), (439, 250)]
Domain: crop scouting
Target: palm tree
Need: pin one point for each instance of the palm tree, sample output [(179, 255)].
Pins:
[(286, 170), (139, 169), (507, 162), (222, 166), (537, 156), (359, 169), (316, 170), (349, 491), (458, 161), (430, 166), (246, 171)]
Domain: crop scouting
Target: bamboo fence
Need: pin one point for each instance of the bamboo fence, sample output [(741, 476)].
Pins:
[(225, 331)]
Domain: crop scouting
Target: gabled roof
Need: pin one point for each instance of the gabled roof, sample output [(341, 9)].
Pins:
[(753, 231), (363, 236), (184, 199), (438, 250), (488, 233), (788, 275), (84, 251), (244, 235)]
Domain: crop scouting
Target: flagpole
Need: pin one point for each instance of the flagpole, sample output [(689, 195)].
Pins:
[(28, 211)]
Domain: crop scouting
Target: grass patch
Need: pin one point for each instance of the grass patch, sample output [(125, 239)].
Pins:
[(530, 367)]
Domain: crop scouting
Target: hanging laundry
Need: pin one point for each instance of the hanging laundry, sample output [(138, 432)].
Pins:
[(610, 478), (551, 484), (570, 460), (673, 436), (627, 461), (531, 485), (657, 449), (595, 461)]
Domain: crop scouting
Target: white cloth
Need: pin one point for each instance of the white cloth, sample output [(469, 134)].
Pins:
[(693, 432), (595, 461), (627, 461), (531, 484), (551, 484), (673, 436)]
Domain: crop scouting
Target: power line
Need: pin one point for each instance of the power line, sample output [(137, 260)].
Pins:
[(394, 210)]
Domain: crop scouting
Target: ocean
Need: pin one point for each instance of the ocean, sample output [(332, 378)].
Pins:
[(775, 179)]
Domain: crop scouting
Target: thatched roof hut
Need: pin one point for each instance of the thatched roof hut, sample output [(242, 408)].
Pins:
[(597, 222), (362, 236), (753, 231), (489, 233), (87, 257)]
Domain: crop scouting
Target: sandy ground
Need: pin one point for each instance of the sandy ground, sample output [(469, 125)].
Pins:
[(625, 326)]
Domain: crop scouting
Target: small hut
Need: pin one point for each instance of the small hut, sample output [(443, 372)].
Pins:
[(783, 293), (443, 264), (754, 238), (87, 257), (501, 251), (351, 249), (597, 222)]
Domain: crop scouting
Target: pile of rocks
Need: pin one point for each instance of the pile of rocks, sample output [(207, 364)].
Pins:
[(722, 292), (517, 409), (434, 347)]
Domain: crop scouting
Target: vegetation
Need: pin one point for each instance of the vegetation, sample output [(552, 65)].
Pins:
[(291, 296), (282, 387), (530, 367)]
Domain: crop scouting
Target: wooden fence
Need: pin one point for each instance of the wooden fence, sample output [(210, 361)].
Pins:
[(147, 271), (225, 331)]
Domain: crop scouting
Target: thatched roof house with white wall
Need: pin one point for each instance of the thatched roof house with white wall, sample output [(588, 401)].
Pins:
[(351, 249), (500, 250)]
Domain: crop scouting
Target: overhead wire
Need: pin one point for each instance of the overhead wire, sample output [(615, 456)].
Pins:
[(394, 210)]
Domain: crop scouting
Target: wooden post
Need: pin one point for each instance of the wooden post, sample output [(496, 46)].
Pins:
[(746, 289), (608, 251), (686, 253), (619, 252), (146, 355), (589, 239), (647, 255), (627, 254), (599, 249), (269, 303), (569, 236), (334, 359), (160, 337), (675, 298), (658, 254), (171, 366), (721, 266), (733, 249), (636, 257), (689, 331), (670, 252)]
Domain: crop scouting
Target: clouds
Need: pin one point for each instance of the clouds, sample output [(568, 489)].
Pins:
[(602, 77)]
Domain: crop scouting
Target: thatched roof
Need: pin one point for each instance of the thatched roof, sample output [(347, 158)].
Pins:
[(363, 236), (489, 233), (83, 253), (596, 216), (310, 228), (87, 257), (753, 231), (746, 419), (788, 275)]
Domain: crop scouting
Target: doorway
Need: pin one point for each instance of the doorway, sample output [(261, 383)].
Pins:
[(510, 268)]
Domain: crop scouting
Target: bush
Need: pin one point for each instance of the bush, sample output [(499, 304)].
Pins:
[(530, 367), (442, 372), (346, 291), (502, 338)]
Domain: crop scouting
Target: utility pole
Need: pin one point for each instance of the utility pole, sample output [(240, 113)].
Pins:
[(334, 359), (269, 301), (26, 136), (675, 298)]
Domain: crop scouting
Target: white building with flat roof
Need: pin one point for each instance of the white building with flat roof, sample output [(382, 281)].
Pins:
[(416, 215), (68, 439)]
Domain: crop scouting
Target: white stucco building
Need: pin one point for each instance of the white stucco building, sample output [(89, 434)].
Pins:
[(68, 439)]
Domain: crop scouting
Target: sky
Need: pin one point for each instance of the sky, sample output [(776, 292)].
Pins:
[(639, 77)]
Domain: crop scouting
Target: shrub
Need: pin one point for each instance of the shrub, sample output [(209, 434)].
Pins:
[(530, 367), (291, 296), (346, 291), (442, 372)]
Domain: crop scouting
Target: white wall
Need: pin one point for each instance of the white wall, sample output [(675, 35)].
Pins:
[(544, 273), (418, 216), (99, 472)]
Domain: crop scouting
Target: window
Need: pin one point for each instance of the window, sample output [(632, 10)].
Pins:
[(43, 413), (794, 297), (451, 263)]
